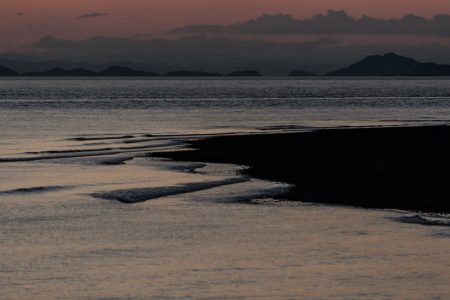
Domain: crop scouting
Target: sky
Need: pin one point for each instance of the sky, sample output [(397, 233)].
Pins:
[(25, 21)]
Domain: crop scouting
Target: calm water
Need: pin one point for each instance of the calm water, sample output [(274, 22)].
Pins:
[(70, 149)]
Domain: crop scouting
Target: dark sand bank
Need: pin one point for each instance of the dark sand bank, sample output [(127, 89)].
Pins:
[(402, 168)]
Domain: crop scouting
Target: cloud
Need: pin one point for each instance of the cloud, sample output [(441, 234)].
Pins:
[(93, 15), (19, 14), (334, 22)]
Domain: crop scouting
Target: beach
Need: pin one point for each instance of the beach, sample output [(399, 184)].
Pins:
[(398, 167), (103, 197)]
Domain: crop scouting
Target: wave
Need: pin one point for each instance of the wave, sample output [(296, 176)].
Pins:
[(167, 143), (431, 220), (143, 194), (99, 138), (30, 190), (138, 141), (186, 167), (116, 161), (70, 151), (81, 153), (284, 127), (261, 196)]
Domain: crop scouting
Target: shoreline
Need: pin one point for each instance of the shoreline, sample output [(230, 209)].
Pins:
[(406, 168)]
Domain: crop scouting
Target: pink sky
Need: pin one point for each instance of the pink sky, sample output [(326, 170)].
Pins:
[(130, 17)]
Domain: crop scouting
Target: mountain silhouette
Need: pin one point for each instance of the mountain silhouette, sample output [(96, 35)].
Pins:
[(389, 64), (62, 72), (4, 71), (431, 69), (184, 73), (301, 73), (124, 71), (211, 53), (246, 73)]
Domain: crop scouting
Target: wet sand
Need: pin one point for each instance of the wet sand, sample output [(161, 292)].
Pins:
[(397, 168)]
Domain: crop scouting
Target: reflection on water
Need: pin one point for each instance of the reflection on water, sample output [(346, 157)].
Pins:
[(75, 154), (70, 107)]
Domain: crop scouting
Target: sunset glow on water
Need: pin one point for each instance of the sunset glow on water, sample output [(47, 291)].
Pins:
[(71, 161)]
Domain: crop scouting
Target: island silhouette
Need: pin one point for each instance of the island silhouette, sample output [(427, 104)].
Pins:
[(390, 64), (185, 73), (61, 72), (4, 71), (123, 71), (245, 73), (301, 73)]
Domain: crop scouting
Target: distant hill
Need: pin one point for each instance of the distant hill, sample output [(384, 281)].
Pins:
[(7, 72), (30, 65), (271, 67), (109, 72), (389, 64), (249, 73), (184, 73), (124, 71), (62, 72), (431, 69), (392, 64), (300, 73)]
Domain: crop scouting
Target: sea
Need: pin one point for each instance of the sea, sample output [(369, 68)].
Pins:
[(87, 212)]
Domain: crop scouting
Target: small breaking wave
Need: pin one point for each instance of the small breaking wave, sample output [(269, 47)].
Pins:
[(431, 220), (37, 189), (284, 127), (186, 167), (161, 144), (116, 160), (263, 195), (99, 138), (144, 194), (69, 151), (47, 155)]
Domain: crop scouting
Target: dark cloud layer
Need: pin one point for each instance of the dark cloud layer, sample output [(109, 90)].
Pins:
[(334, 22), (93, 15)]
